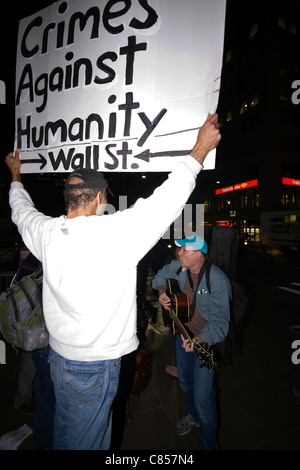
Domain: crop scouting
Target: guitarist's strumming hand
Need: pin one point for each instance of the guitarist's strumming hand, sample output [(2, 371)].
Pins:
[(164, 300), (186, 344)]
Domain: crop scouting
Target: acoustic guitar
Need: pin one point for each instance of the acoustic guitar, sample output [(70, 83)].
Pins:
[(178, 317)]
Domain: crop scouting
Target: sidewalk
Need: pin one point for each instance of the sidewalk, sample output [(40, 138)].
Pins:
[(258, 410)]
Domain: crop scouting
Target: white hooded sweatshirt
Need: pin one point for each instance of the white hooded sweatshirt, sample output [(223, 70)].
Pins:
[(89, 264)]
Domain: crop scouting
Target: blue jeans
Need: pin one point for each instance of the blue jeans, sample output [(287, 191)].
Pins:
[(197, 383), (84, 393)]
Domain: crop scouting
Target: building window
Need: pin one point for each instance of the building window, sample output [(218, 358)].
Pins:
[(244, 107), (281, 22), (224, 202), (206, 206), (251, 233), (254, 100), (253, 30), (228, 57), (283, 94), (293, 28), (282, 72), (229, 116), (290, 197), (249, 198)]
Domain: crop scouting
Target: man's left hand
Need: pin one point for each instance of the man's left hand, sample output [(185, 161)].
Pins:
[(186, 344)]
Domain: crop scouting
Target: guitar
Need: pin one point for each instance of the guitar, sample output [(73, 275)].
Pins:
[(178, 317)]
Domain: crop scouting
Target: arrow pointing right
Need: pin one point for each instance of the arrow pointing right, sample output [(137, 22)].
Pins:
[(42, 160)]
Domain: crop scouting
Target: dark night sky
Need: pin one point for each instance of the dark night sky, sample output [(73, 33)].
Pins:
[(12, 12)]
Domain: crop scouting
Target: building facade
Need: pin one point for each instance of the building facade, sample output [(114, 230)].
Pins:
[(258, 159)]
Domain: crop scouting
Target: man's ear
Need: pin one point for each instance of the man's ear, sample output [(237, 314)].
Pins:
[(99, 197)]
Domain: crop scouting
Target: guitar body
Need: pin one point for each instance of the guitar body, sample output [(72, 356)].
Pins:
[(178, 316), (143, 372)]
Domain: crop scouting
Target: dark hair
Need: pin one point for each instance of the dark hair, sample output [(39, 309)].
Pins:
[(76, 198)]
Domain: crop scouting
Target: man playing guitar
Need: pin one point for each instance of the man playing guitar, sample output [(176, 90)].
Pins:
[(207, 322)]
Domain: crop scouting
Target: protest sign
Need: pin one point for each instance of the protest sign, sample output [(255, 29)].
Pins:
[(116, 85)]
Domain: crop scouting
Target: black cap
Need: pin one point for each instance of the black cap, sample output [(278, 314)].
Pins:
[(90, 179)]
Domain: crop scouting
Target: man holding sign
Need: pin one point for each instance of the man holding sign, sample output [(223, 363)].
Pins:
[(88, 299)]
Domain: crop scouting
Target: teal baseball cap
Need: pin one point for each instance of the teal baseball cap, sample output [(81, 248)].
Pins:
[(193, 242)]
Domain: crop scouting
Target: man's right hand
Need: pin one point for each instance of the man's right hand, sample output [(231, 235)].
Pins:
[(208, 138), (14, 164), (165, 301)]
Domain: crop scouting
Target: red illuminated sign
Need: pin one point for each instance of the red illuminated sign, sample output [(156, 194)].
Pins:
[(237, 187), (247, 184), (224, 190), (224, 223), (290, 181)]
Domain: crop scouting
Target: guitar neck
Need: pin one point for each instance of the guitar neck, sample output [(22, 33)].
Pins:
[(180, 302), (180, 326)]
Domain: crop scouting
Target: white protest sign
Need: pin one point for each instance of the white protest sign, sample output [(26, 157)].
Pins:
[(116, 85)]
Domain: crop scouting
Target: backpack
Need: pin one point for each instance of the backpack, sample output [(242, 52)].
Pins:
[(224, 350), (22, 322), (223, 253)]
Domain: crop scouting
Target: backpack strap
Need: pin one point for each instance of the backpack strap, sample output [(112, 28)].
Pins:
[(14, 303), (204, 269), (208, 268)]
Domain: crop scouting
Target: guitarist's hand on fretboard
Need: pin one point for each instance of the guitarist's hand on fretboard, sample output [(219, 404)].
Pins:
[(186, 343)]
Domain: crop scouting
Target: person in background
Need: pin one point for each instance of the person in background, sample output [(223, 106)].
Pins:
[(207, 321), (24, 398), (35, 382)]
